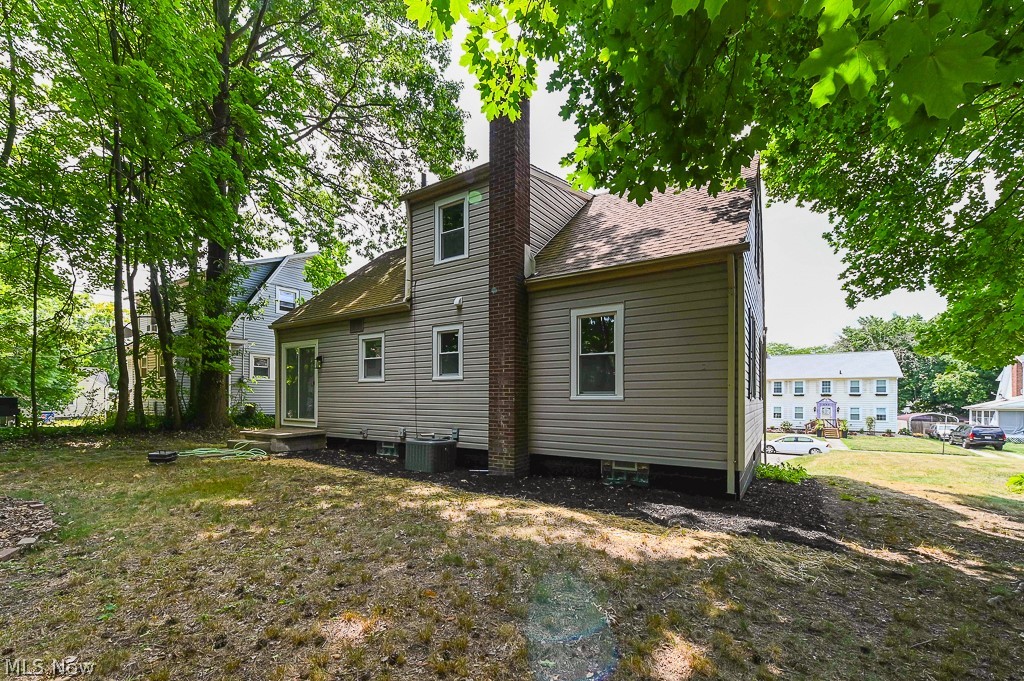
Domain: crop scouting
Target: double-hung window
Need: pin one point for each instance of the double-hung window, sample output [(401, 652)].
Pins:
[(596, 351), (855, 413), (855, 386), (826, 387), (798, 388), (798, 413), (451, 225), (260, 366), (881, 386), (448, 353), (776, 388), (776, 412), (287, 299), (881, 414), (371, 357)]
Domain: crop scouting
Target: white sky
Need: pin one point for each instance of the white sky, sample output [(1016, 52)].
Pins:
[(805, 304)]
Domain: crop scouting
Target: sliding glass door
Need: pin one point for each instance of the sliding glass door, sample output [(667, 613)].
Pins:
[(299, 390)]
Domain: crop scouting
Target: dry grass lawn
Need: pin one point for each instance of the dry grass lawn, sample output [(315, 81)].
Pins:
[(287, 569)]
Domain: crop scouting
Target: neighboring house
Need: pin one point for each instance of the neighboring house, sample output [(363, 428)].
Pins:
[(529, 319), (276, 286), (834, 387), (1007, 410), (93, 396)]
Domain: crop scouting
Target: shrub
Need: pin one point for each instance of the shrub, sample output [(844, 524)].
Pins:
[(251, 416), (782, 472), (870, 423), (786, 426), (1016, 483)]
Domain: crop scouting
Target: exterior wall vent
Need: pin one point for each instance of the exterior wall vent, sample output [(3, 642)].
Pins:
[(355, 325)]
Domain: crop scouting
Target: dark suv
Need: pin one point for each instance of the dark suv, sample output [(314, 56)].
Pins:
[(978, 436)]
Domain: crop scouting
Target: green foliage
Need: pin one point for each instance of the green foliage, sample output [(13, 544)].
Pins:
[(775, 349), (327, 267), (869, 423), (251, 416), (899, 120), (1016, 483), (782, 472), (786, 425)]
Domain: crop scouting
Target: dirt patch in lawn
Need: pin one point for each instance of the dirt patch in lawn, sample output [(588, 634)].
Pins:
[(802, 514), (20, 519)]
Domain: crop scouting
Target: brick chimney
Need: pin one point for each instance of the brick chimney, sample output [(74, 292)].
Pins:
[(1017, 379), (509, 216)]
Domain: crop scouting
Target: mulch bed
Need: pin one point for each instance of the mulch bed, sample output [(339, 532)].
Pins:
[(20, 518), (803, 514)]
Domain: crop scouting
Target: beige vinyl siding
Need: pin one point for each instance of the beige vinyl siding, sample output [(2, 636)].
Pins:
[(674, 364), (409, 397), (551, 207), (753, 301)]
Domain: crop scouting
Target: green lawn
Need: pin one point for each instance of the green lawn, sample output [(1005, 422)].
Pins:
[(899, 443), (286, 569)]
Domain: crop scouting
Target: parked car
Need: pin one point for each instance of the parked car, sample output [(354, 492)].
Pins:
[(941, 431), (968, 436), (797, 444)]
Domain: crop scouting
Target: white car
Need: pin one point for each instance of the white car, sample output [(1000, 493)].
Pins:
[(796, 444)]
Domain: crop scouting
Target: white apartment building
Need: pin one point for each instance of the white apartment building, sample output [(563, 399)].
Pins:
[(836, 386)]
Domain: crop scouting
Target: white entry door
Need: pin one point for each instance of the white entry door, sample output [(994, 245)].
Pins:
[(299, 387), (826, 411)]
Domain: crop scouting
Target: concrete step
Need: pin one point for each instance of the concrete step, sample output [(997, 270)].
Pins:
[(281, 440)]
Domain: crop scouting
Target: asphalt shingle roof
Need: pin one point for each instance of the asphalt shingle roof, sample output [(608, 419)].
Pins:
[(875, 364), (610, 231), (378, 283)]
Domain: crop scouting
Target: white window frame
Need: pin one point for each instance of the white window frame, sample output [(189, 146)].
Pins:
[(778, 384), (440, 205), (885, 386), (855, 410), (801, 416), (885, 413), (851, 390), (777, 409), (283, 384), (270, 367), (618, 310), (829, 390), (801, 384), (437, 331), (363, 337), (277, 298)]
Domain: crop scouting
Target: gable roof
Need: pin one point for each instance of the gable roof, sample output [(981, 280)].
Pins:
[(260, 272), (874, 364), (610, 231), (377, 286), (1011, 404)]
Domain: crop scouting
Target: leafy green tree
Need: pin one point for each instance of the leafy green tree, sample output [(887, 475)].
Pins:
[(774, 349), (889, 116), (327, 267)]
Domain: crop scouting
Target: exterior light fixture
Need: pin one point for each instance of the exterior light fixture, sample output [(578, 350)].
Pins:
[(319, 361)]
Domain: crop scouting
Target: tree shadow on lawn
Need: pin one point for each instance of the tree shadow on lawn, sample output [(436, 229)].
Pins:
[(830, 513)]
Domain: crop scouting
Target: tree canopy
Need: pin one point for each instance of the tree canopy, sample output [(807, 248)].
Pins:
[(903, 121)]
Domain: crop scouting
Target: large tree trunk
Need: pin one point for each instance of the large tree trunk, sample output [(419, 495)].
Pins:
[(212, 400), (138, 403), (161, 313), (117, 170), (12, 92), (37, 266)]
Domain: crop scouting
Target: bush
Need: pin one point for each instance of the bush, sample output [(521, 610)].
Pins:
[(782, 472), (251, 416), (786, 426), (1016, 483)]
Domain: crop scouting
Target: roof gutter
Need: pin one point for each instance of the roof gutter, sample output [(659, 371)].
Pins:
[(675, 262), (402, 306)]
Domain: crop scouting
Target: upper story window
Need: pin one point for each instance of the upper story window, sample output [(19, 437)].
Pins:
[(261, 366), (881, 386), (371, 357), (855, 386), (448, 352), (451, 235), (798, 388), (826, 387), (596, 347), (776, 387), (287, 299)]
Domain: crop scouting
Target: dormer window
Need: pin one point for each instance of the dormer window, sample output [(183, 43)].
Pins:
[(451, 236)]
